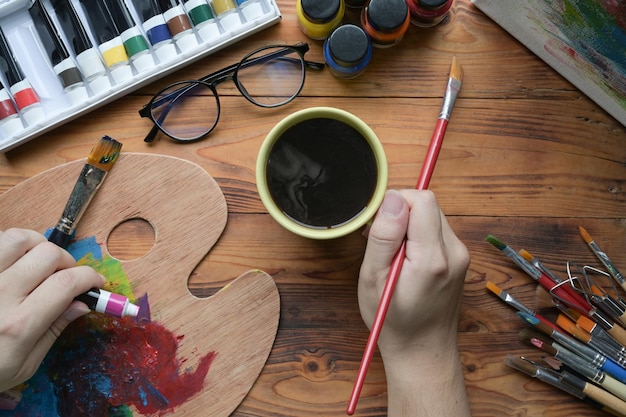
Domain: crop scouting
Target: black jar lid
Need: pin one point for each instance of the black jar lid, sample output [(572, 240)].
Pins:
[(432, 4), (320, 11), (348, 44), (387, 15)]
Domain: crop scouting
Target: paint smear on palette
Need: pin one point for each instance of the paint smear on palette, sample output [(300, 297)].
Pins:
[(103, 366), (588, 36)]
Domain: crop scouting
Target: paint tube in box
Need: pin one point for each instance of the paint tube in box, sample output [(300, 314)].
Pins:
[(251, 9), (226, 11), (179, 24), (58, 55), (204, 20), (158, 33), (10, 122), (20, 88), (109, 40), (87, 56), (134, 41)]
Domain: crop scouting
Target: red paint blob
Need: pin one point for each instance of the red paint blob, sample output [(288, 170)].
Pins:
[(102, 363)]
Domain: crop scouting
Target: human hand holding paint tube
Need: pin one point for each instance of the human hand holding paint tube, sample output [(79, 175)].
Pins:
[(418, 341), (39, 282)]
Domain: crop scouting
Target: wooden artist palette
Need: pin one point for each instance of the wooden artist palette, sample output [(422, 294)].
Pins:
[(188, 212)]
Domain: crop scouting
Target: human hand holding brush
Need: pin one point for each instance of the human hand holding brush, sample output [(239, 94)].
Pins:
[(418, 341), (395, 268), (38, 284)]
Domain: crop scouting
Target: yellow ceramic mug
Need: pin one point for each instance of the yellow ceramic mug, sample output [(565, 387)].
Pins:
[(321, 173)]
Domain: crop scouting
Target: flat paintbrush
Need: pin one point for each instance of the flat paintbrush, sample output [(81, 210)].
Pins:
[(452, 90), (99, 163)]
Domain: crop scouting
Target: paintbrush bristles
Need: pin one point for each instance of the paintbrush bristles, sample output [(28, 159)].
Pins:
[(456, 71), (105, 153)]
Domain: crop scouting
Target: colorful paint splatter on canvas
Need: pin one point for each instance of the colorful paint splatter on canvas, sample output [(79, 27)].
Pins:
[(592, 35), (105, 366), (585, 41)]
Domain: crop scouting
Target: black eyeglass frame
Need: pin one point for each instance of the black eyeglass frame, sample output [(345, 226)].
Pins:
[(228, 73)]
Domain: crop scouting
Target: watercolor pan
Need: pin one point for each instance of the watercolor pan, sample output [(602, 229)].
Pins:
[(58, 109)]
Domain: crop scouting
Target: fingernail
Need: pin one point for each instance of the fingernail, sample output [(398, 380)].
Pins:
[(393, 203)]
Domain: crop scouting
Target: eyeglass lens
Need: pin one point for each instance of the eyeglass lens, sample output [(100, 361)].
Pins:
[(271, 82), (189, 111), (268, 78)]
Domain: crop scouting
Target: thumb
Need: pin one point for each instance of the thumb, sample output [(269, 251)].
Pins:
[(385, 236)]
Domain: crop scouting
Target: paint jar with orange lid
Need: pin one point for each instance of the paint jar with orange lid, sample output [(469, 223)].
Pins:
[(385, 21), (317, 18), (428, 13)]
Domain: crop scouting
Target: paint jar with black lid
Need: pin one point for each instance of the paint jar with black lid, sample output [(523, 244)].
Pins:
[(317, 18), (348, 51), (428, 13), (385, 21)]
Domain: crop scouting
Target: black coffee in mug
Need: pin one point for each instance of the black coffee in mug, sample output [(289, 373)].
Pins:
[(321, 172)]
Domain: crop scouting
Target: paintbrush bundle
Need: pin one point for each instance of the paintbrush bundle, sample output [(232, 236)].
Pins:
[(584, 347)]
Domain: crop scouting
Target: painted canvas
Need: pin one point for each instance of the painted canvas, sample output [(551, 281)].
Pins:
[(585, 41)]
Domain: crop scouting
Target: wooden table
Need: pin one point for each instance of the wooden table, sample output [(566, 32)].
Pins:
[(527, 157)]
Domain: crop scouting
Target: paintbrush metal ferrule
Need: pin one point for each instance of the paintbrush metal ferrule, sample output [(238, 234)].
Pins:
[(515, 257), (88, 183), (602, 256), (509, 299), (539, 265), (452, 90), (546, 375), (580, 348), (515, 303)]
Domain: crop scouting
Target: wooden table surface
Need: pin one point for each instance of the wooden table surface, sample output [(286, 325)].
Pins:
[(527, 157)]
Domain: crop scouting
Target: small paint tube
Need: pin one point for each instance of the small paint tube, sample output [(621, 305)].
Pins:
[(20, 88), (87, 56), (62, 64), (156, 29), (251, 9), (10, 122), (226, 11), (109, 40), (179, 24), (135, 44), (204, 20)]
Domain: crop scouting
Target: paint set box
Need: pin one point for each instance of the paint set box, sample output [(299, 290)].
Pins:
[(60, 59)]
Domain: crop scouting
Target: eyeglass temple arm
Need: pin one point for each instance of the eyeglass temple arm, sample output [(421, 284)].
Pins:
[(317, 66), (151, 134)]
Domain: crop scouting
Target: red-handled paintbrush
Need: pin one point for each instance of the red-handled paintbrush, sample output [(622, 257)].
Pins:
[(452, 90)]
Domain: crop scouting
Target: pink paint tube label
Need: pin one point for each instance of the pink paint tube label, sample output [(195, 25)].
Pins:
[(116, 304)]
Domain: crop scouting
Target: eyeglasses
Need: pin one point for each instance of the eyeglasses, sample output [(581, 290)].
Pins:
[(268, 77)]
